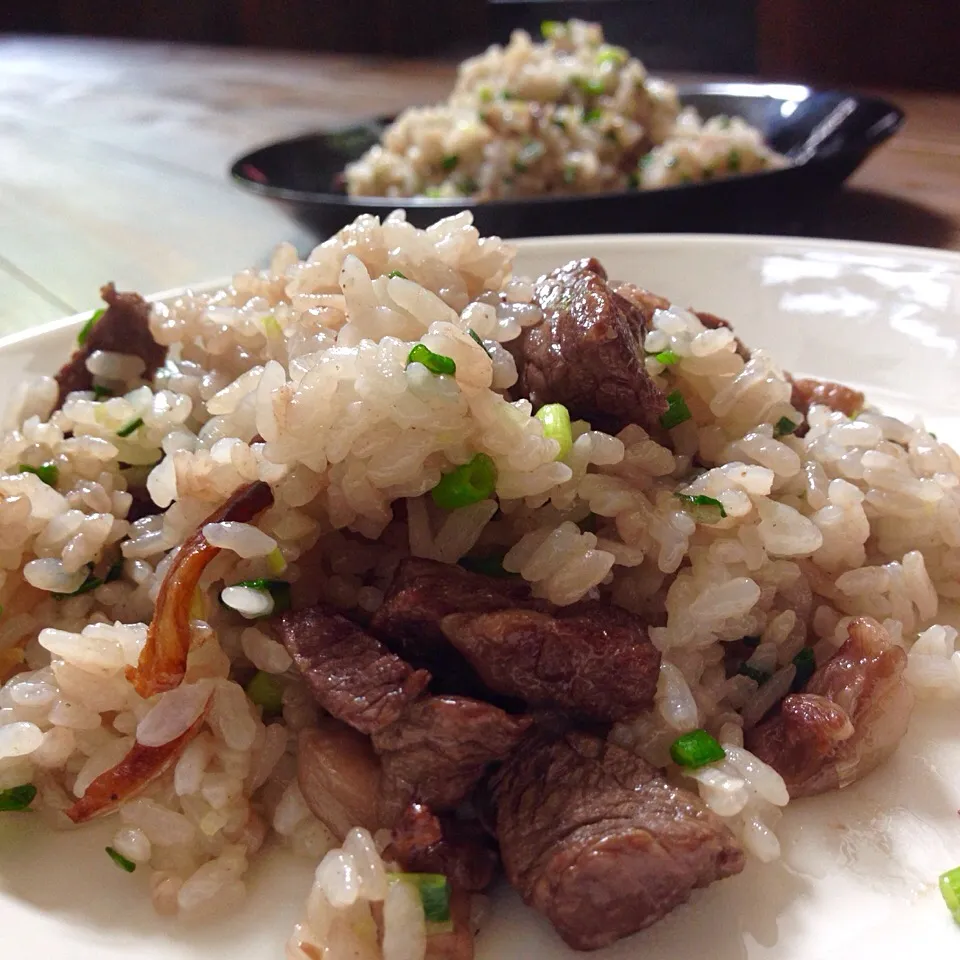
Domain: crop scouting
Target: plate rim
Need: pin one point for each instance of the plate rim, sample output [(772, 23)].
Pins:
[(799, 244)]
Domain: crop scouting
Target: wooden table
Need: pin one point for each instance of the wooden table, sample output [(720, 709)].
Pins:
[(113, 160)]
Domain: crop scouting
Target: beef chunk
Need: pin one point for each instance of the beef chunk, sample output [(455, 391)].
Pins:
[(423, 592), (594, 838), (351, 674), (850, 718), (587, 352), (459, 849), (806, 392), (123, 328), (440, 749), (593, 659)]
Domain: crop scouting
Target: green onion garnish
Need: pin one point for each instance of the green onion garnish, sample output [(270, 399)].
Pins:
[(278, 589), (667, 357), (703, 508), (486, 94), (469, 186), (449, 162), (594, 113), (588, 86), (469, 483), (276, 563), (100, 392), (433, 192), (507, 95), (475, 336), (950, 891), (569, 173), (806, 665), (130, 427), (613, 55), (396, 273), (633, 180), (434, 890), (17, 798), (266, 690), (491, 565), (120, 860), (550, 28), (115, 572), (49, 473), (733, 161), (784, 426), (677, 411), (696, 749), (435, 362), (89, 325), (556, 426), (91, 583), (761, 676)]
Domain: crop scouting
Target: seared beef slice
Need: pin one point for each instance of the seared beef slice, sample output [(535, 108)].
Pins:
[(439, 750), (123, 328), (594, 838), (587, 352), (351, 675), (593, 660)]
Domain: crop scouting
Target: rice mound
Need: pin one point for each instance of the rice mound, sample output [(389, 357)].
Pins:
[(570, 115), (297, 375)]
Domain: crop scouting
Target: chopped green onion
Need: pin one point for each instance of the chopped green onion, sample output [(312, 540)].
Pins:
[(130, 427), (396, 273), (761, 676), (271, 327), (614, 55), (89, 325), (677, 411), (475, 336), (645, 160), (556, 426), (507, 95), (950, 891), (486, 94), (569, 173), (806, 665), (469, 483), (469, 186), (784, 426), (491, 565), (115, 572), (550, 28), (435, 362), (529, 153), (120, 860), (633, 180), (49, 473), (91, 583), (276, 564), (100, 392), (751, 641), (17, 798), (733, 161), (278, 589), (589, 86), (433, 192), (594, 113), (705, 509), (696, 749), (667, 357), (266, 690), (434, 890), (449, 162)]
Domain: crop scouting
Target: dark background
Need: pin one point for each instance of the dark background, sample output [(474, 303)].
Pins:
[(902, 43)]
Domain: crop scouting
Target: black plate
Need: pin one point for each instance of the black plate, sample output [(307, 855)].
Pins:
[(827, 135)]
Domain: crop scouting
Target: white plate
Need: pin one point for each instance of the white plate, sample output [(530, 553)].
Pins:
[(859, 871)]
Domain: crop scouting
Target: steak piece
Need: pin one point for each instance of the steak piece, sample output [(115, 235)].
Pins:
[(593, 660), (594, 838), (851, 717), (459, 849), (123, 328), (423, 592), (587, 352), (440, 749), (351, 674), (807, 391)]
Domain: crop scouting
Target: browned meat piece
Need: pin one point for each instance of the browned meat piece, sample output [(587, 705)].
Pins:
[(646, 300), (423, 592), (440, 749), (836, 396), (351, 674), (850, 718), (587, 352), (594, 838), (459, 849), (123, 328), (594, 660)]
